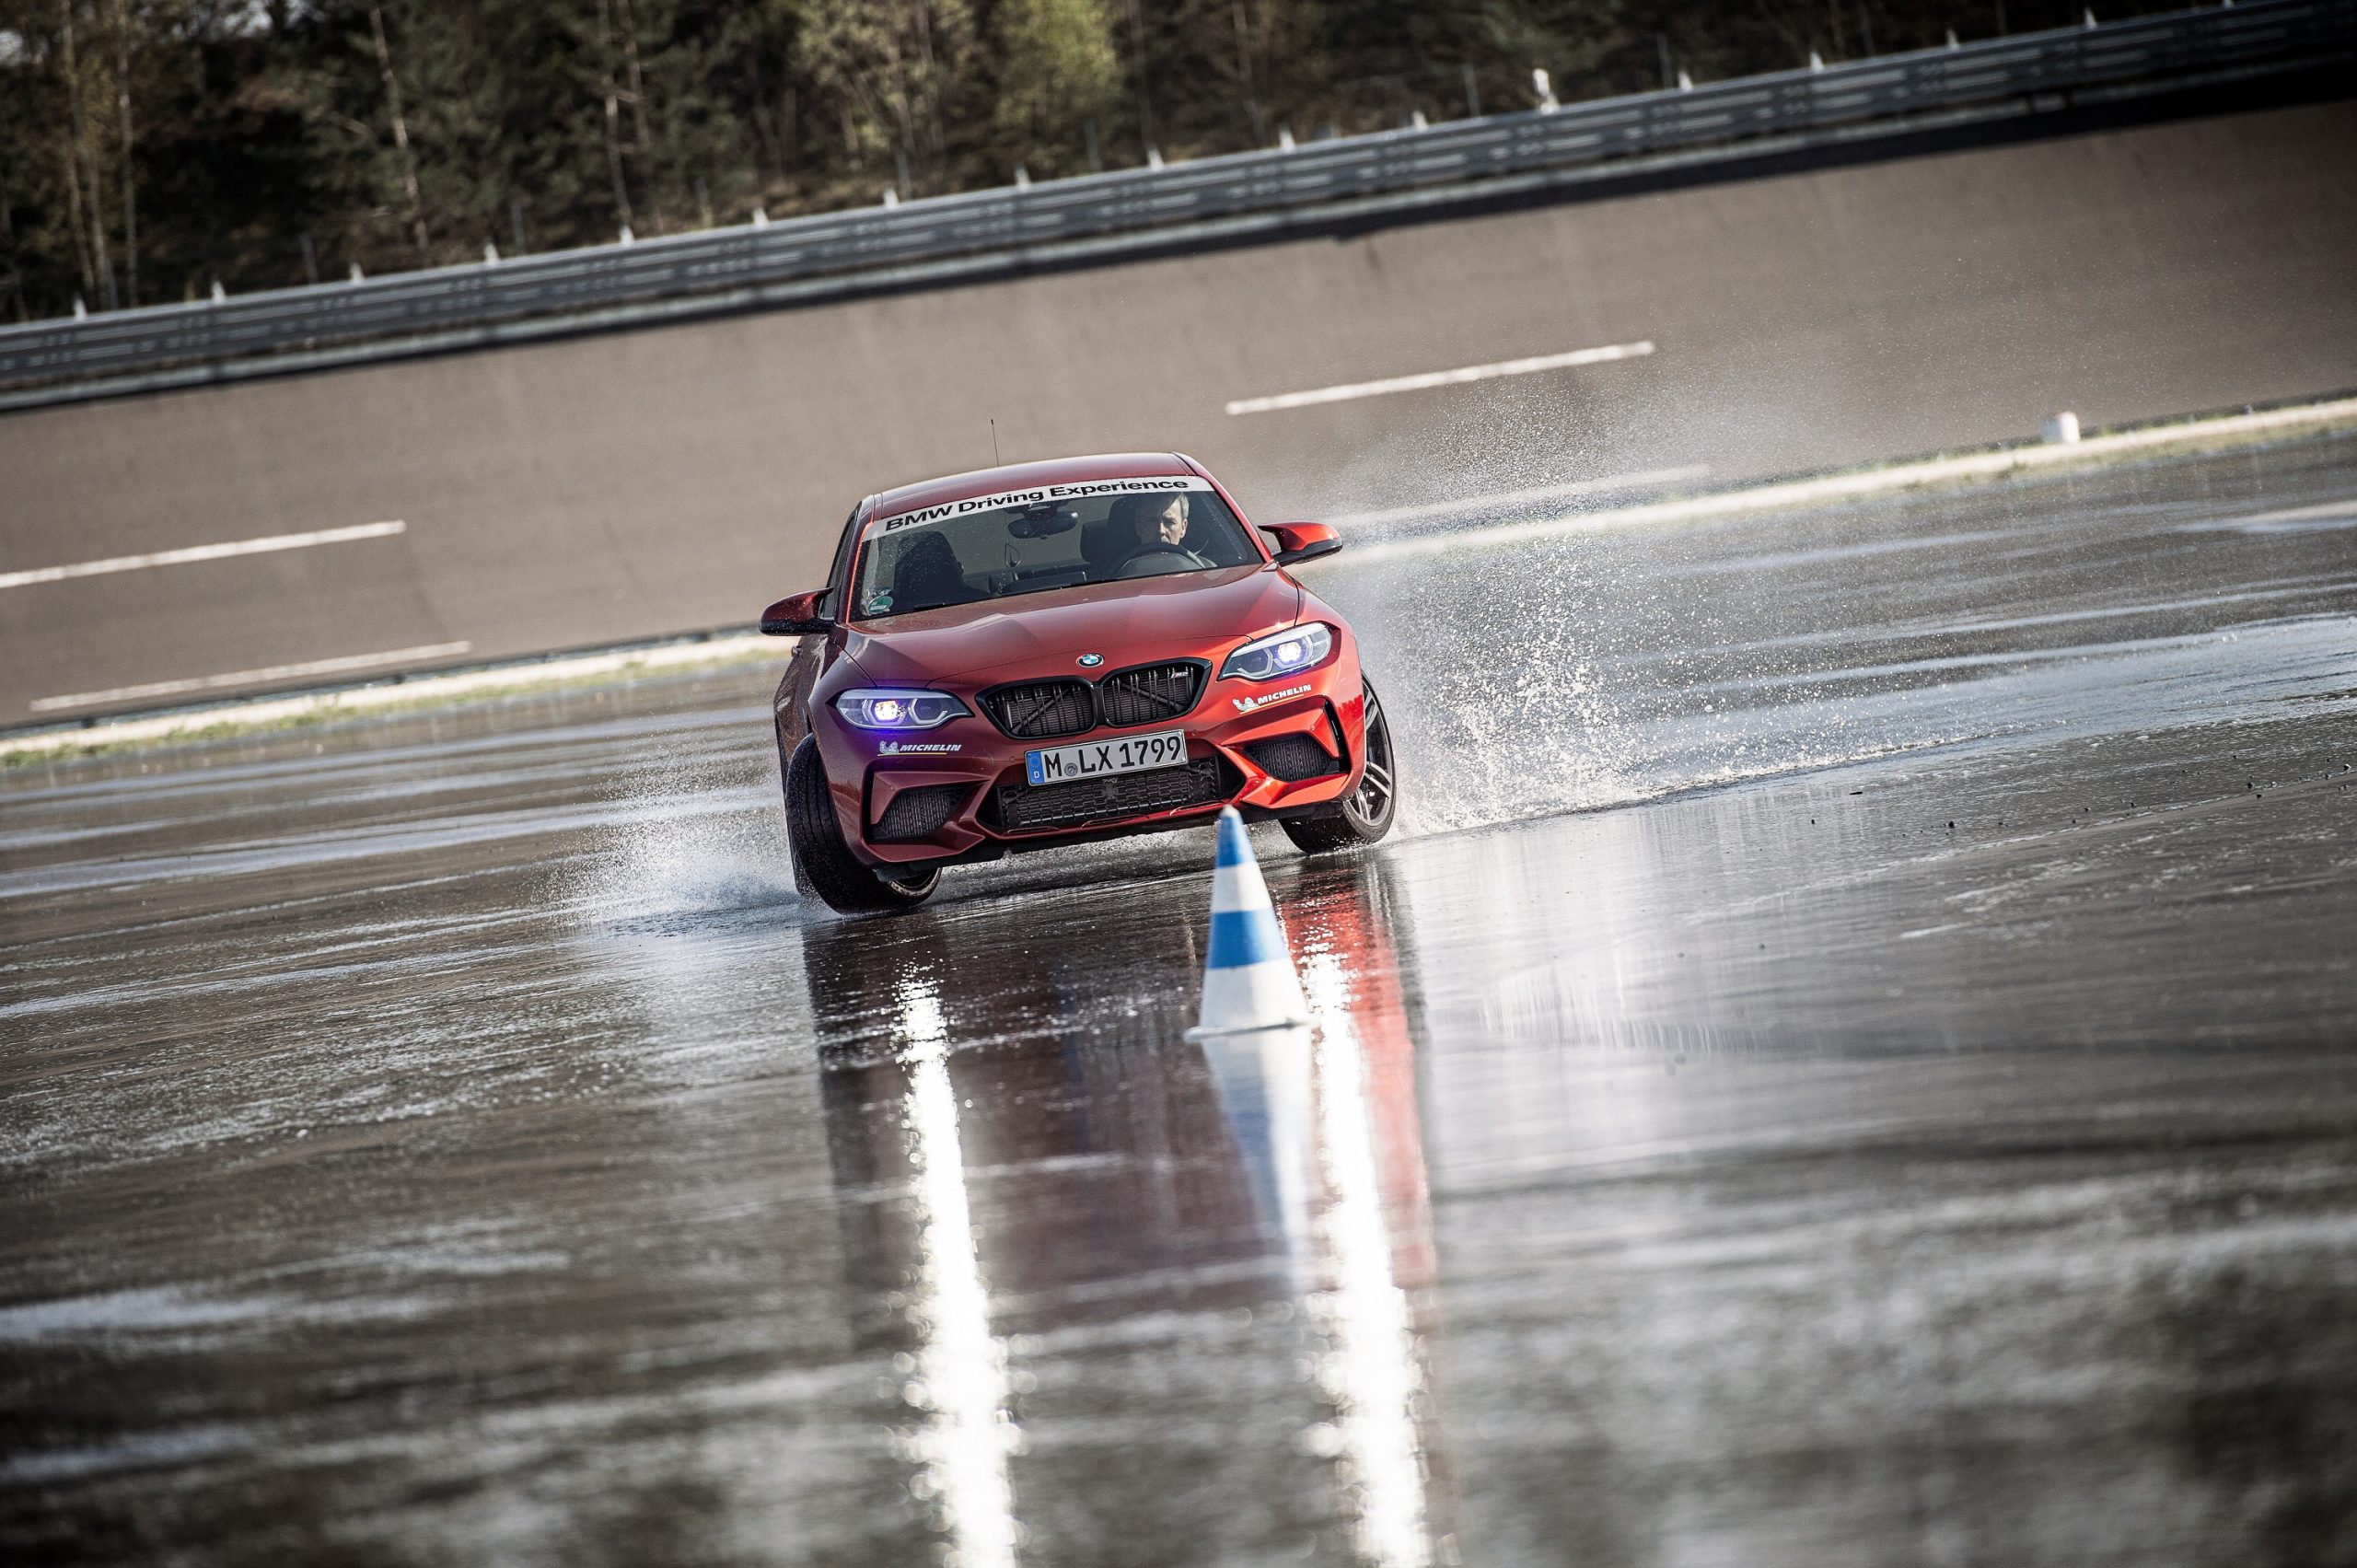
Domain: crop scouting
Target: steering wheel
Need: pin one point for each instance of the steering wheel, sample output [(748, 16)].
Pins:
[(1149, 561)]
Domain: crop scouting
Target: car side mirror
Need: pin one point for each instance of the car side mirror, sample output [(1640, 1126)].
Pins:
[(1303, 542), (796, 615)]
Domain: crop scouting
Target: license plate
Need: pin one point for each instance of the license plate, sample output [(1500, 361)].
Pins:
[(1094, 759)]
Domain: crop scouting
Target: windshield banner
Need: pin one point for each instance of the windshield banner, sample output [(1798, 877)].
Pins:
[(1151, 485)]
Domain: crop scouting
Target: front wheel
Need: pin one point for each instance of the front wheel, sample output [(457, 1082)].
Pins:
[(1366, 810), (823, 865)]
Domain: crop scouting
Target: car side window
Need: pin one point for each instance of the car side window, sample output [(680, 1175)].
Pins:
[(833, 603)]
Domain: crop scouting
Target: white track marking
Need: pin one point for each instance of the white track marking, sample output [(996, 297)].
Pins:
[(2194, 434), (1351, 390), (248, 712), (347, 664), (1525, 497), (2340, 508), (200, 553)]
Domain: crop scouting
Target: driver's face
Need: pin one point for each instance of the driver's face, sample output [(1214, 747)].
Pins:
[(1164, 525)]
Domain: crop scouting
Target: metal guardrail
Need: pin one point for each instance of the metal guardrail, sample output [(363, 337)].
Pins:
[(1302, 177)]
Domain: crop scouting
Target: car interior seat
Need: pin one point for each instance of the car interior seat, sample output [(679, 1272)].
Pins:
[(927, 574), (1121, 533), (1107, 542)]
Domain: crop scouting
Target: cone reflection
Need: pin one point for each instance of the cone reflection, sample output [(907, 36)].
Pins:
[(1325, 1119)]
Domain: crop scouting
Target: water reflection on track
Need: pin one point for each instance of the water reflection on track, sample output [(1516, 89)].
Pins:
[(1851, 1061), (1095, 1172)]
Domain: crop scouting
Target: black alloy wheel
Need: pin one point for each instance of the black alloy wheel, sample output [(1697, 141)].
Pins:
[(1368, 810), (824, 866)]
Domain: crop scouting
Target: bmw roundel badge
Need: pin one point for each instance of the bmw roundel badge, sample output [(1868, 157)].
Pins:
[(1090, 661)]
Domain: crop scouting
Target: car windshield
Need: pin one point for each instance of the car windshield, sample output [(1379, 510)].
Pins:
[(1048, 537)]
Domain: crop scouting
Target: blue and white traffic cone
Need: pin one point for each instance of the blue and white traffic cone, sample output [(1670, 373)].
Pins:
[(1249, 981)]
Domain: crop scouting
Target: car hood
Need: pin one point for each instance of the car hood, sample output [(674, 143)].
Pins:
[(1192, 613)]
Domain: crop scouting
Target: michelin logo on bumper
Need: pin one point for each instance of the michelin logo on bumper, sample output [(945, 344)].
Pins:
[(917, 748), (1249, 705)]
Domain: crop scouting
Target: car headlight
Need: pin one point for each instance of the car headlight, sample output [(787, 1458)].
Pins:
[(870, 708), (1280, 654)]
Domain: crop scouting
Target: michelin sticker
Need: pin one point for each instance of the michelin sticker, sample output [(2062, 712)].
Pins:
[(918, 748), (1251, 704), (1150, 485)]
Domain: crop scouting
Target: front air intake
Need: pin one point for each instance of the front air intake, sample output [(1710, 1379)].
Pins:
[(1199, 783), (1141, 694), (919, 813), (1151, 693), (1292, 757), (1041, 710)]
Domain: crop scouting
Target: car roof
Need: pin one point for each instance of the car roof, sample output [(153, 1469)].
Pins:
[(1021, 476)]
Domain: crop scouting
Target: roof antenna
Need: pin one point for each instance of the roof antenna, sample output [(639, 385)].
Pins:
[(994, 457)]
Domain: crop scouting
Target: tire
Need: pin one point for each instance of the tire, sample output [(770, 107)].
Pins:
[(1368, 810), (824, 866)]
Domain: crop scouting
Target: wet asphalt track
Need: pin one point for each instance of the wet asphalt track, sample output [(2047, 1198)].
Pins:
[(1853, 1058)]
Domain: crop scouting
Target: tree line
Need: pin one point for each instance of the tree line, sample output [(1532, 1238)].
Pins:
[(154, 150)]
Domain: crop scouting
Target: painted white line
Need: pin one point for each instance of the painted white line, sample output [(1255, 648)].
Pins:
[(1345, 392), (1525, 497), (423, 689), (2324, 513), (343, 666), (200, 553), (1869, 481)]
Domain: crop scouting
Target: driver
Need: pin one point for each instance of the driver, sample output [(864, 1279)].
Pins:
[(1157, 526)]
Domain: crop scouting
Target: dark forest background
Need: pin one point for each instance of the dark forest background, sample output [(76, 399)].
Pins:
[(151, 147)]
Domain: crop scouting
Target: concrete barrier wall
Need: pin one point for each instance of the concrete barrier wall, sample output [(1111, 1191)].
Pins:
[(614, 487)]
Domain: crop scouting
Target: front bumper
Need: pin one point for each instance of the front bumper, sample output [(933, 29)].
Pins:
[(959, 791)]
